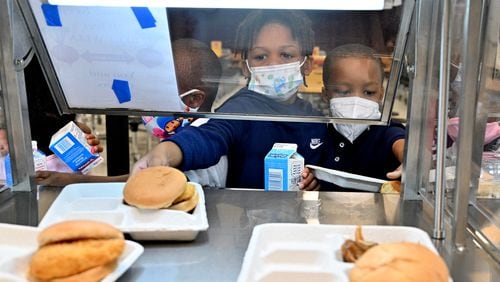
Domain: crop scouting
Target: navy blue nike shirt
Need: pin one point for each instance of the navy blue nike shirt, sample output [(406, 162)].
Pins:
[(369, 155), (246, 143)]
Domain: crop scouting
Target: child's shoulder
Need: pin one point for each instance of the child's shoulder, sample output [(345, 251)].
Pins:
[(396, 124), (390, 132), (239, 102)]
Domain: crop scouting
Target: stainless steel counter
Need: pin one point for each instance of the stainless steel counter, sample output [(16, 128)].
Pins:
[(217, 254)]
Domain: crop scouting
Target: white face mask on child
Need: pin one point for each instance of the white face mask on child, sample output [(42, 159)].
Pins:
[(355, 108), (278, 82), (151, 122), (184, 107)]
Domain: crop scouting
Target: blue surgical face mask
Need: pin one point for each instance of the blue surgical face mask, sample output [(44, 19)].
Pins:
[(278, 82)]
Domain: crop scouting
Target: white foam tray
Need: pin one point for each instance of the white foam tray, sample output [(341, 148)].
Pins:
[(301, 252), (104, 202), (18, 243), (347, 180)]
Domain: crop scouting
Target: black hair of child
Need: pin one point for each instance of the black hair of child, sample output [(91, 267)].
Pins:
[(299, 24), (349, 51)]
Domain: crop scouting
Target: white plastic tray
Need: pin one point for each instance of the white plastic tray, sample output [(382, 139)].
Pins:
[(18, 243), (104, 202), (300, 252), (347, 180)]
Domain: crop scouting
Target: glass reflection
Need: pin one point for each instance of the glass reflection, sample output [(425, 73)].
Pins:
[(217, 27)]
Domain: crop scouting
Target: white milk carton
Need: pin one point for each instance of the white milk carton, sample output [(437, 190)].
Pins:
[(282, 168), (70, 145)]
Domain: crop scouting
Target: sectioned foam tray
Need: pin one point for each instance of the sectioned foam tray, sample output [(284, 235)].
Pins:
[(302, 252), (347, 180), (18, 243), (104, 202)]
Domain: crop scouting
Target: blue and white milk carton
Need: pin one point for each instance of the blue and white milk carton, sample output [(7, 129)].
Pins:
[(39, 162), (282, 168), (70, 145)]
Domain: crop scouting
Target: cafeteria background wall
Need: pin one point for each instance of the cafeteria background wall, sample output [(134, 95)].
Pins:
[(332, 28)]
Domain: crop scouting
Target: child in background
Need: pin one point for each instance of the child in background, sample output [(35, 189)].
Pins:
[(198, 72), (271, 43), (353, 85)]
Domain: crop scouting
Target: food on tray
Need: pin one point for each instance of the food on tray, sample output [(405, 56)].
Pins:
[(76, 250), (160, 187), (392, 186), (354, 249), (187, 201), (402, 261)]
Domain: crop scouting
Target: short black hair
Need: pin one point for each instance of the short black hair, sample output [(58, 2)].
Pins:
[(348, 51), (297, 21), (198, 66)]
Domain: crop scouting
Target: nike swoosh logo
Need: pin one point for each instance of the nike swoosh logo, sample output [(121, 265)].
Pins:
[(314, 147)]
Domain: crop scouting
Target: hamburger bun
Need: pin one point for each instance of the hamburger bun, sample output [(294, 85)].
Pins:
[(186, 205), (402, 261), (77, 229), (188, 193), (154, 187), (88, 249)]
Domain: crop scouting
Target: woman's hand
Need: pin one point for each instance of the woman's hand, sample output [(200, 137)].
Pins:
[(308, 182), (92, 140)]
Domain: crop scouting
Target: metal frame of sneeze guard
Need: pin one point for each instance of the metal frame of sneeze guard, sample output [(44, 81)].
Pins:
[(397, 63), (478, 30), (15, 53), (432, 42), (64, 107), (246, 4)]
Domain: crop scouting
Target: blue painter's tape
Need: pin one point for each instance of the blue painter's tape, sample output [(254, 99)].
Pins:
[(144, 16), (51, 14), (122, 90)]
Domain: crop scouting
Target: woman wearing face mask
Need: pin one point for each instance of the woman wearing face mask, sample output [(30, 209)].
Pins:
[(275, 46), (353, 79)]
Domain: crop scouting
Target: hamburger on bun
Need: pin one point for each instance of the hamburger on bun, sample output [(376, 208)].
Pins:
[(353, 249), (402, 261), (160, 187), (76, 250)]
